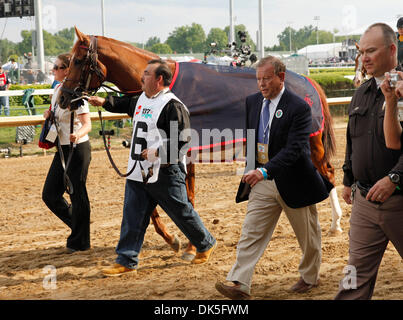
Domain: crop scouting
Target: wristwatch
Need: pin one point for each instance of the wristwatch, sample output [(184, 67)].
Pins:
[(394, 177)]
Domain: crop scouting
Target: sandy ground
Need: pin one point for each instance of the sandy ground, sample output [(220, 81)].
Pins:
[(31, 238)]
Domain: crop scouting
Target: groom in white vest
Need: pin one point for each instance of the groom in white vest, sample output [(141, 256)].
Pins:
[(158, 165)]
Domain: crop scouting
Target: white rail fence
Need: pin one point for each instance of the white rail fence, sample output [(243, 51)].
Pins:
[(38, 119)]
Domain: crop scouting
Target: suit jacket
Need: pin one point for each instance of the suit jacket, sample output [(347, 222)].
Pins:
[(290, 164)]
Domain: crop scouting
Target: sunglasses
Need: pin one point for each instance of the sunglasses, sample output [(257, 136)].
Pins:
[(55, 67)]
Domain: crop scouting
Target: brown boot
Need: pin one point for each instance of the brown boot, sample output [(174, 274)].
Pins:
[(117, 270), (203, 257)]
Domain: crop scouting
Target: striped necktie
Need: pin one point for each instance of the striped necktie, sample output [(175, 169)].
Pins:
[(265, 121)]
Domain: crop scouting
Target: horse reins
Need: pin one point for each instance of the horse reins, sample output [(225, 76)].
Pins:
[(68, 186)]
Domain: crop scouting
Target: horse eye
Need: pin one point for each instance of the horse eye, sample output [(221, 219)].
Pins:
[(77, 61)]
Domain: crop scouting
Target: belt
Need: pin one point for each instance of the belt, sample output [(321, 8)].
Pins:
[(165, 165), (364, 189)]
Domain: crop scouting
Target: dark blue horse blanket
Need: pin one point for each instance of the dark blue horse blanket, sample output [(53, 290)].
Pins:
[(215, 95)]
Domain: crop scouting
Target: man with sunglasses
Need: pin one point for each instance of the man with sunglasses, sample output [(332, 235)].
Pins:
[(157, 156)]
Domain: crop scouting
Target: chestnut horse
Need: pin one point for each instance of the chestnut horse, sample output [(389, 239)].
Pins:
[(97, 59)]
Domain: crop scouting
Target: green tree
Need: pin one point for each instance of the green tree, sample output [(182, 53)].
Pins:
[(159, 48), (177, 39), (7, 48), (26, 44), (301, 38), (196, 38), (66, 33), (187, 39), (54, 44), (217, 36), (152, 41)]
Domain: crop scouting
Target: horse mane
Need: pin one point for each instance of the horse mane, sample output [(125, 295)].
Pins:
[(328, 137)]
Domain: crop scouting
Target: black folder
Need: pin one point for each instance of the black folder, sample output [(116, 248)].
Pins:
[(243, 192)]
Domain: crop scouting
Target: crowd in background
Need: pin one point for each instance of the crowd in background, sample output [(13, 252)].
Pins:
[(26, 72)]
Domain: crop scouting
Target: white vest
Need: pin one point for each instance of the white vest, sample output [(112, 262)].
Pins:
[(146, 135)]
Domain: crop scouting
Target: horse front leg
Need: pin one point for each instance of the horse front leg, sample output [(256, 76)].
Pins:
[(190, 250), (335, 227), (326, 170), (161, 229)]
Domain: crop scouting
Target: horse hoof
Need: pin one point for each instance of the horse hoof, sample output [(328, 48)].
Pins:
[(176, 244), (334, 232), (188, 256)]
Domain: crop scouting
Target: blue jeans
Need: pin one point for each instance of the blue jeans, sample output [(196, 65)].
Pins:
[(169, 192), (4, 103)]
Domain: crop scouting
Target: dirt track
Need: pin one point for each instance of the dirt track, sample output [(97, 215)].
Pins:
[(31, 237)]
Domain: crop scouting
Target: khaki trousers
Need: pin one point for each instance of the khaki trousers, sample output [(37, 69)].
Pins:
[(372, 226), (264, 209)]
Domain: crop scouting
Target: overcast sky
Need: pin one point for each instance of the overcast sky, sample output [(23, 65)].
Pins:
[(137, 20)]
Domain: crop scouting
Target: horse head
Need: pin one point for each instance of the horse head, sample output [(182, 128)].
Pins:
[(86, 73)]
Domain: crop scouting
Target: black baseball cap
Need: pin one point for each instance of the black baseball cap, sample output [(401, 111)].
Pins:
[(400, 23)]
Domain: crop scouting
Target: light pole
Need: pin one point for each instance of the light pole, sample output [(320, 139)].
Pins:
[(289, 25), (103, 17), (39, 35), (317, 18), (231, 36), (261, 48), (141, 19)]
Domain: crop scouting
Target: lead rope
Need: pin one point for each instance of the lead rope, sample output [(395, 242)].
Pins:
[(68, 186), (108, 152)]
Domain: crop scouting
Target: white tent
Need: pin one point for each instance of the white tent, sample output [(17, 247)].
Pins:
[(321, 51)]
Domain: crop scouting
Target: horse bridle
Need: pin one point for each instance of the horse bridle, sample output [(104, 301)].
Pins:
[(90, 67)]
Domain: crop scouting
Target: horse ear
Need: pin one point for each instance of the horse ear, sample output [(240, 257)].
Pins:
[(79, 34)]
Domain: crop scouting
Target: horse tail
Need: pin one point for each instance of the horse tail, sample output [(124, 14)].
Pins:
[(328, 136)]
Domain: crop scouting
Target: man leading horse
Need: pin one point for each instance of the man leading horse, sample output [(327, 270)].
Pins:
[(159, 166)]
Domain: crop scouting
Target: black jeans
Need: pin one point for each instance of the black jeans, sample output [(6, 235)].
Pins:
[(77, 215)]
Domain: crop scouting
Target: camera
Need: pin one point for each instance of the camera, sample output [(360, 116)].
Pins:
[(242, 36), (394, 78)]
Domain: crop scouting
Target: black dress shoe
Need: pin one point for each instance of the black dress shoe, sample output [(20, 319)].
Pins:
[(70, 250), (233, 292)]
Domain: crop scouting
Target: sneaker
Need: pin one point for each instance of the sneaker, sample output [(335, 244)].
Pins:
[(117, 270), (203, 257)]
